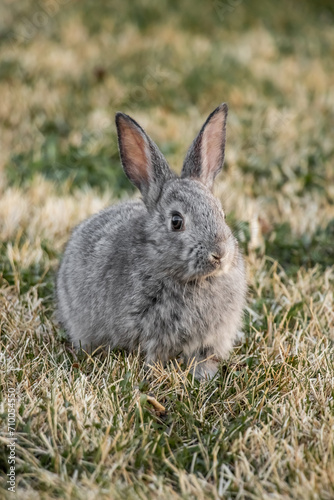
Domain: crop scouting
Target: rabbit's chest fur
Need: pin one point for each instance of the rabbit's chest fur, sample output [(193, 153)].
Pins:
[(171, 318)]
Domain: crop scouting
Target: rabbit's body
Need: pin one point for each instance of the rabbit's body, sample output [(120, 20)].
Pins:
[(128, 279)]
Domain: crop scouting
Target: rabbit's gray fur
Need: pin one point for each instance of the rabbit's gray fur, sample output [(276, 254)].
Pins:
[(127, 280)]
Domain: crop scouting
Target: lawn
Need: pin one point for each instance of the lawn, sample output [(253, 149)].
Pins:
[(91, 427)]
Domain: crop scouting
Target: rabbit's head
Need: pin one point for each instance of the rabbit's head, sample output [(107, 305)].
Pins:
[(184, 227)]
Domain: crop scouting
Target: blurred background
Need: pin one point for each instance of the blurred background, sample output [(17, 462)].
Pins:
[(67, 66)]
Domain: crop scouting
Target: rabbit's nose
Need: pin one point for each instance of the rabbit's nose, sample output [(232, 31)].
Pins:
[(216, 257)]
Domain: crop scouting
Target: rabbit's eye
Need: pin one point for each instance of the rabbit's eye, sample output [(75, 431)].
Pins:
[(177, 222)]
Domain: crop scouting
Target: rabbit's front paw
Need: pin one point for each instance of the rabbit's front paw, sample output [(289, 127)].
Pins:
[(206, 370)]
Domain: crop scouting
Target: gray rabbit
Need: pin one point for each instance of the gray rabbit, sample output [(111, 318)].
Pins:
[(163, 273)]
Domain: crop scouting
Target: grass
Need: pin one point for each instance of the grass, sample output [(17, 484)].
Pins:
[(87, 427)]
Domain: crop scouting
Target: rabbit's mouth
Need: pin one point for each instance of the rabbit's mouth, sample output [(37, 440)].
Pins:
[(201, 262), (220, 265), (225, 265), (211, 270)]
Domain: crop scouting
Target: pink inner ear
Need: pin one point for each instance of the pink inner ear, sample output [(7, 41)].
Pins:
[(135, 151), (212, 145)]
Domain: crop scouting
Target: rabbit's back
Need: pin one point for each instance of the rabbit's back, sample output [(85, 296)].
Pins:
[(90, 275)]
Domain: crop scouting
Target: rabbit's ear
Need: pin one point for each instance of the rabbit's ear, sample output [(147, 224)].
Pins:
[(205, 157), (142, 161)]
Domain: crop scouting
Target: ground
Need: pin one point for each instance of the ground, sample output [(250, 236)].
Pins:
[(86, 428)]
